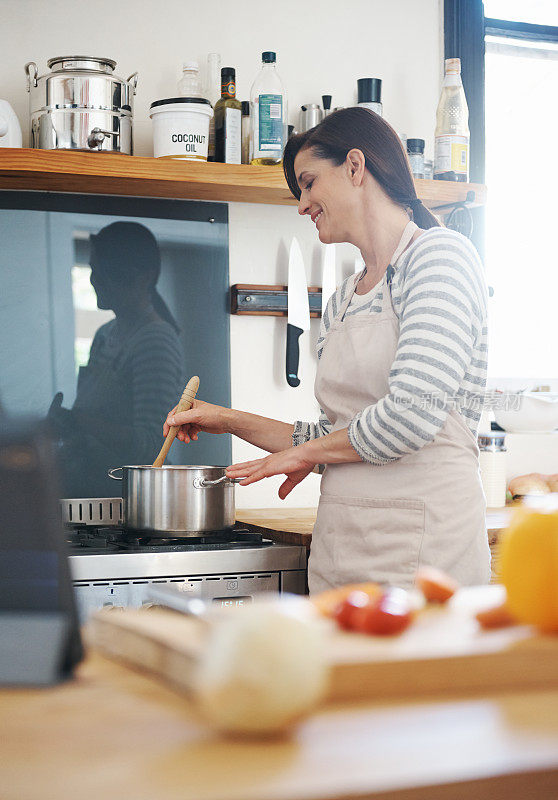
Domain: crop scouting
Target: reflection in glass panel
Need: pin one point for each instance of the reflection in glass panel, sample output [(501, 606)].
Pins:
[(104, 321)]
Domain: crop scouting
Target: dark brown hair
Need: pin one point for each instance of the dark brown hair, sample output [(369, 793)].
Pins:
[(385, 158)]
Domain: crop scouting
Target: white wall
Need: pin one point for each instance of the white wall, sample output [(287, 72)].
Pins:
[(322, 48)]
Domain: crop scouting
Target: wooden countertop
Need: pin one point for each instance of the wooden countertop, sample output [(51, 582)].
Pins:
[(113, 732), (295, 525)]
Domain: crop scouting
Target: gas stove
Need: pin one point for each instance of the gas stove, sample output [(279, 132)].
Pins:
[(113, 566)]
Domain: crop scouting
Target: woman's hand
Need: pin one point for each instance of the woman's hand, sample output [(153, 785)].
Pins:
[(201, 417), (296, 463)]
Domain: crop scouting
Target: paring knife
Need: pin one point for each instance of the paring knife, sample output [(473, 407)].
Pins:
[(329, 283), (298, 313)]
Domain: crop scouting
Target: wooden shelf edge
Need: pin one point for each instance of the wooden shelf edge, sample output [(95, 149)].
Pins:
[(139, 176)]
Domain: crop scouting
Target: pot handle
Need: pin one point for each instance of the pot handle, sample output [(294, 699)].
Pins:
[(31, 74), (133, 79), (202, 483), (114, 469)]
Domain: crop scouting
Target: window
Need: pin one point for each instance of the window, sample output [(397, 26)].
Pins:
[(521, 87)]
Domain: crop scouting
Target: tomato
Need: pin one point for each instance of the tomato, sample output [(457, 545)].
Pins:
[(387, 614), (392, 613), (346, 609)]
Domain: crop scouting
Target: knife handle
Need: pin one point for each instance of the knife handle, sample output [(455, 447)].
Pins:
[(293, 335)]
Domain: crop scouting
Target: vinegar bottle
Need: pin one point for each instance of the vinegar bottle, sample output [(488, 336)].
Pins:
[(228, 121), (451, 139), (268, 102)]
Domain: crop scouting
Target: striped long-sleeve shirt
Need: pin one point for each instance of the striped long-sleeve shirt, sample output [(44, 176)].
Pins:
[(438, 292)]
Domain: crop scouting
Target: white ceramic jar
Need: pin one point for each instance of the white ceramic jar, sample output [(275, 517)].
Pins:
[(181, 127)]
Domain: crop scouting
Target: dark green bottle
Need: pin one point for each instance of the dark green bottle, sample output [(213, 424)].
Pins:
[(228, 121)]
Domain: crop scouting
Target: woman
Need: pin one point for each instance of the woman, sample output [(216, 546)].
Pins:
[(402, 366), (134, 367)]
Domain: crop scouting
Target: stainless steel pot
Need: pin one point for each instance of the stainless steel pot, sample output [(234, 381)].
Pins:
[(176, 501), (81, 105)]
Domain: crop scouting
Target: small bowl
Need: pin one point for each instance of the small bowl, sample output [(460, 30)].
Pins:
[(528, 412)]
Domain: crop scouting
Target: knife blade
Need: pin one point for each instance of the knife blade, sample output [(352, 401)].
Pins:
[(298, 311), (329, 283)]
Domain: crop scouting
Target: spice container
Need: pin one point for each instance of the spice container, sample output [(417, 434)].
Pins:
[(492, 462), (415, 151), (370, 94)]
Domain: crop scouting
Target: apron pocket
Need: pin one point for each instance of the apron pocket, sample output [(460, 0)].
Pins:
[(369, 539)]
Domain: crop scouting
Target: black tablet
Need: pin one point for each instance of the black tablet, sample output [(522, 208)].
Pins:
[(39, 634)]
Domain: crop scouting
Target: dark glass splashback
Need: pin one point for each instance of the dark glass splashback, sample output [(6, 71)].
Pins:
[(108, 306)]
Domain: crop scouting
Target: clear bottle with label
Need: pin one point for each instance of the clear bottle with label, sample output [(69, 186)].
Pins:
[(213, 94), (268, 104), (228, 121), (370, 94), (245, 131), (451, 140), (189, 85)]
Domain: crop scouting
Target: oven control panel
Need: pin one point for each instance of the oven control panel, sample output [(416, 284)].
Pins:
[(226, 590)]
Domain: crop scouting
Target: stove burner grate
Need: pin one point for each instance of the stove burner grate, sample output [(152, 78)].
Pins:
[(119, 540)]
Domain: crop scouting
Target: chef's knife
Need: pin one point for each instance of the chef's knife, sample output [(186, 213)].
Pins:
[(328, 275), (299, 311)]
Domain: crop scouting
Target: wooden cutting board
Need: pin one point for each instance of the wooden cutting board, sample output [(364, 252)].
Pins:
[(443, 651)]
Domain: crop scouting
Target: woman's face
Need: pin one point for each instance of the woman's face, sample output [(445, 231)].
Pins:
[(327, 195)]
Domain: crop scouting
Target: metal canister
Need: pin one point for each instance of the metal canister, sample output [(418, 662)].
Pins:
[(81, 105), (311, 115)]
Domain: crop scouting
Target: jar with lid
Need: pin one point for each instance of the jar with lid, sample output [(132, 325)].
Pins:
[(492, 462), (415, 151)]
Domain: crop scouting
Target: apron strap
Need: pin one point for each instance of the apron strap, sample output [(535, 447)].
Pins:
[(408, 232)]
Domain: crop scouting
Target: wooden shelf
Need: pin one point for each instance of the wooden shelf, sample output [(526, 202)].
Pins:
[(136, 176)]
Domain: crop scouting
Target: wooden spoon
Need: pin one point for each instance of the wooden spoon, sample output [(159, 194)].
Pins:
[(185, 403)]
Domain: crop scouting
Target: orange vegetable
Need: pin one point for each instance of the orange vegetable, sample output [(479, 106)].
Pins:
[(327, 602), (436, 586), (529, 566), (496, 617)]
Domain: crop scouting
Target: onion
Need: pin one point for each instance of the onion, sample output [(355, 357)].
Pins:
[(264, 666)]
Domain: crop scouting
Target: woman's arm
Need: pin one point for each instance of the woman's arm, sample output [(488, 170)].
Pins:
[(297, 462), (268, 434)]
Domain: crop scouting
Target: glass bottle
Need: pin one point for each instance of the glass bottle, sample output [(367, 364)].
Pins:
[(451, 139), (189, 84), (415, 152), (245, 131), (228, 121), (213, 94), (268, 105)]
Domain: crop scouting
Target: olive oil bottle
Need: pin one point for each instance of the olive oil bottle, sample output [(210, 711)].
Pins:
[(228, 121)]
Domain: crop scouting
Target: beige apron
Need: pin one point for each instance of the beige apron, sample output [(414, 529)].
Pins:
[(379, 523)]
